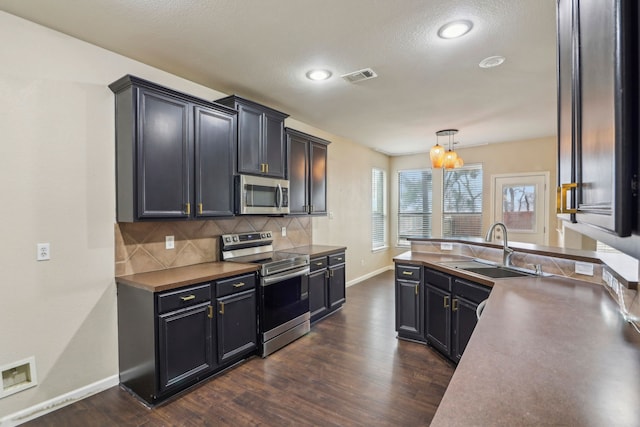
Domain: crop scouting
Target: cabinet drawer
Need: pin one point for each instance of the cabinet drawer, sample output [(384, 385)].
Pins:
[(235, 284), (408, 272), (471, 291), (318, 263), (336, 259), (183, 297), (440, 280)]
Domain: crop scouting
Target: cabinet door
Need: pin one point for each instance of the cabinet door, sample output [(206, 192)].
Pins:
[(566, 102), (438, 318), (464, 322), (337, 286), (318, 294), (184, 345), (607, 75), (237, 325), (274, 145), (250, 136), (163, 155), (318, 179), (298, 175), (409, 309), (214, 146)]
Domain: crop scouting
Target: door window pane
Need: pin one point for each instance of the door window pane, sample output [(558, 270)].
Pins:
[(519, 207)]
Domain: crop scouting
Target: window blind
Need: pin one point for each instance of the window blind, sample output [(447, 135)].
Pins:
[(462, 202), (415, 204), (378, 209)]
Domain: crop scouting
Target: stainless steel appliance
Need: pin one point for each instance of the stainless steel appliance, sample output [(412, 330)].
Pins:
[(260, 195), (283, 294)]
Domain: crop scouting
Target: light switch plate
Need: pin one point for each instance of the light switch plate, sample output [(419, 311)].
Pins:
[(284, 231), (446, 246), (169, 242), (584, 268)]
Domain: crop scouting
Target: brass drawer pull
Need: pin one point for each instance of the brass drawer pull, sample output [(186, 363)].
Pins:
[(416, 289), (239, 284), (339, 259), (454, 304), (188, 298), (221, 308), (408, 273), (446, 302), (200, 208), (210, 312), (188, 209), (318, 263)]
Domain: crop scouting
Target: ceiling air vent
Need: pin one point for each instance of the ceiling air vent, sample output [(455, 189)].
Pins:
[(358, 76)]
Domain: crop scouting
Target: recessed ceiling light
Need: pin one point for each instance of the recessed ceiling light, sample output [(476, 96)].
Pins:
[(318, 74), (492, 61), (455, 29)]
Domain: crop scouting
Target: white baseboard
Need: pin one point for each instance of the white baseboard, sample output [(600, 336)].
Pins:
[(369, 275), (58, 402)]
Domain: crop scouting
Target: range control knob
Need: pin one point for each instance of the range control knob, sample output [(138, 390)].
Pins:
[(269, 234), (263, 235), (235, 238), (227, 239)]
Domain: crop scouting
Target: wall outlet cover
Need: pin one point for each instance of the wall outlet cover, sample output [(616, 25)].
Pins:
[(44, 252), (284, 231), (169, 242), (446, 246), (584, 268)]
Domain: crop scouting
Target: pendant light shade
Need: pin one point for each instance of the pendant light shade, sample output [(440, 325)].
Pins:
[(448, 159), (437, 155)]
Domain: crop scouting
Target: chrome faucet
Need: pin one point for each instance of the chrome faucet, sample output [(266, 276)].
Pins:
[(507, 252)]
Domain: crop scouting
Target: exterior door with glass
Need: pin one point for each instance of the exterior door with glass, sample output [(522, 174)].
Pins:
[(520, 202)]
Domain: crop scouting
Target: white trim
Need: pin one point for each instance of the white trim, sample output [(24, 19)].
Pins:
[(366, 276), (58, 402)]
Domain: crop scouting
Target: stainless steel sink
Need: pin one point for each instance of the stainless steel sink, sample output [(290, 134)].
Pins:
[(488, 269)]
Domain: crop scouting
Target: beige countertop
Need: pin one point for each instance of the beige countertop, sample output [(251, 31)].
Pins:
[(162, 280), (546, 351)]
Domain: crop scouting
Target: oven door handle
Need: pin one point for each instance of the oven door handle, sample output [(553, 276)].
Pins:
[(279, 196), (269, 280)]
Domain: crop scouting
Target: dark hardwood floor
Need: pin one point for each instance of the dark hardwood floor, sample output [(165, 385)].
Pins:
[(350, 370)]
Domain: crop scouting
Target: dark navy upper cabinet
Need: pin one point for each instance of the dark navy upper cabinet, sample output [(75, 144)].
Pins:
[(174, 153), (598, 113), (261, 149), (307, 173)]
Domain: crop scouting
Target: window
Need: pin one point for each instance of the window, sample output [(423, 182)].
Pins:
[(378, 209), (415, 204), (462, 202)]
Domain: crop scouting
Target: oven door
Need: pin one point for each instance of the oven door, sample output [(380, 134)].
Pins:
[(283, 298)]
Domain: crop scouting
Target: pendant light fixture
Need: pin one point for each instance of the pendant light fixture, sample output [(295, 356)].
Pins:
[(440, 158)]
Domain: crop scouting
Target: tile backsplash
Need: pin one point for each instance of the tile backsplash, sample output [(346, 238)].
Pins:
[(140, 246)]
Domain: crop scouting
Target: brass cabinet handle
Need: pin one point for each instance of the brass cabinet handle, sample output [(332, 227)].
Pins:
[(561, 198), (416, 289), (310, 208), (221, 308), (454, 304), (188, 208), (210, 312), (262, 167), (200, 208), (318, 263), (339, 259), (188, 298), (446, 302), (408, 273), (266, 167), (239, 284), (326, 274), (331, 273)]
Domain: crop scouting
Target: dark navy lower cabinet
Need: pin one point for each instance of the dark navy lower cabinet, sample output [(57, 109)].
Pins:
[(409, 293)]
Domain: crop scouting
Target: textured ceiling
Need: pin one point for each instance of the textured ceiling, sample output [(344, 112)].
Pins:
[(262, 50)]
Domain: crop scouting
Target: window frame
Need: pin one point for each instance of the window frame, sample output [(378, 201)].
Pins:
[(444, 212), (377, 246)]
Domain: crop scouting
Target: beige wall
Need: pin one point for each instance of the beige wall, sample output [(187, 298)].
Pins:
[(57, 170), (349, 199), (538, 155)]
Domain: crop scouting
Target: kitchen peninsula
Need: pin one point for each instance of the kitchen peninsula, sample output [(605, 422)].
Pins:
[(546, 350)]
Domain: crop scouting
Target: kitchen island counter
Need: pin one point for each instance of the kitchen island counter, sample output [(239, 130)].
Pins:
[(546, 351)]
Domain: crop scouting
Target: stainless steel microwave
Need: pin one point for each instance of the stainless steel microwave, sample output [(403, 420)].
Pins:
[(258, 195)]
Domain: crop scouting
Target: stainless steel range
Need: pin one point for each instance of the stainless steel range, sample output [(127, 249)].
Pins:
[(283, 294)]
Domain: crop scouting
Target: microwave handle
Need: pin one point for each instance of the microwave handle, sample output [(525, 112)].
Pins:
[(279, 196)]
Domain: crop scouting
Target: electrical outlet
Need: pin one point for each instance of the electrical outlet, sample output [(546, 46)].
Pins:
[(44, 252), (330, 214), (584, 268), (446, 246), (169, 242), (284, 231)]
